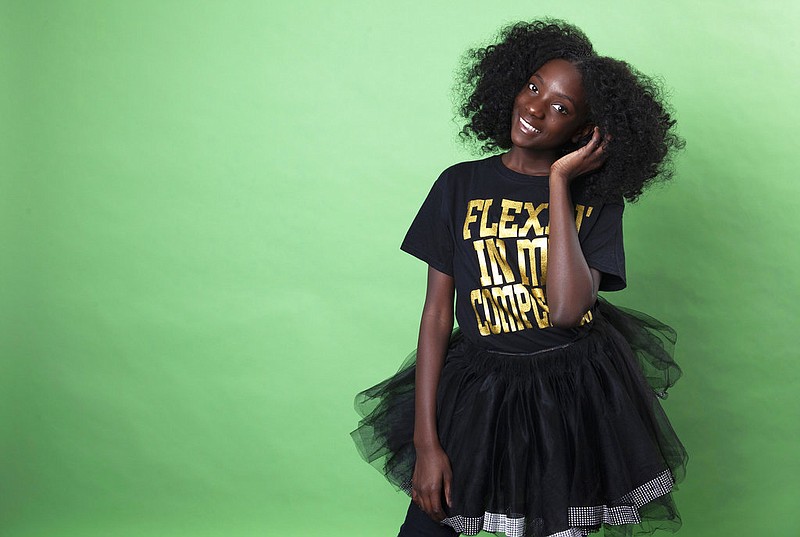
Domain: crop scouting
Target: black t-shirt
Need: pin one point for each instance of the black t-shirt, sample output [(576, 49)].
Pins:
[(487, 226)]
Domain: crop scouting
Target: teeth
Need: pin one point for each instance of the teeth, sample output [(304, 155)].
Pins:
[(528, 127)]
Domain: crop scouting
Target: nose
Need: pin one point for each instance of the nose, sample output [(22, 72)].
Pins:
[(534, 108)]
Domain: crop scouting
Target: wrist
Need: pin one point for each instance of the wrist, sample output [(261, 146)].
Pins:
[(559, 178), (426, 443)]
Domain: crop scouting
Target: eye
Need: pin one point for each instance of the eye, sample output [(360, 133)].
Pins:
[(561, 109), (532, 87)]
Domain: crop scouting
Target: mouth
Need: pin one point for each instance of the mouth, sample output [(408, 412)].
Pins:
[(527, 128)]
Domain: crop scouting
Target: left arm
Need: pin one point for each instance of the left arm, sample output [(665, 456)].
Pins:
[(571, 284)]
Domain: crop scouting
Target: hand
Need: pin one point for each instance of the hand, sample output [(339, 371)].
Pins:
[(583, 160), (431, 473)]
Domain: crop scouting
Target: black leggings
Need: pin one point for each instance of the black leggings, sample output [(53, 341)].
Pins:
[(418, 524)]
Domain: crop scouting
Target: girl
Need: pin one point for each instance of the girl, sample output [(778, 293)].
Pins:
[(538, 415)]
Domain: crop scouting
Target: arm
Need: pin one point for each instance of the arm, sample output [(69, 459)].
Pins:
[(432, 469), (571, 285)]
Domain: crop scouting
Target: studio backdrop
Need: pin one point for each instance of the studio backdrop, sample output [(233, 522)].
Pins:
[(202, 206)]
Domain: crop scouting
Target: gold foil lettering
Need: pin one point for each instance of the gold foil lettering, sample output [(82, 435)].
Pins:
[(524, 304), (511, 300), (581, 212), (509, 207), (486, 230), (578, 215), (479, 250), (541, 310), (533, 220), (502, 307), (475, 298), (533, 271), (497, 257), (470, 218), (494, 326)]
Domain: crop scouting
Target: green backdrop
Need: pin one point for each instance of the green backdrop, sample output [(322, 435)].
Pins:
[(202, 204)]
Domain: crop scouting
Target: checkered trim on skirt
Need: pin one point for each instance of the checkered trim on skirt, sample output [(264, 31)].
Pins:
[(582, 520), (511, 526), (623, 514)]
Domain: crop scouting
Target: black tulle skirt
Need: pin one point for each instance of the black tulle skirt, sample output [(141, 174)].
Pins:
[(557, 443)]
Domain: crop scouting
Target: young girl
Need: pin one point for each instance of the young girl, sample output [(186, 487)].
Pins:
[(538, 415)]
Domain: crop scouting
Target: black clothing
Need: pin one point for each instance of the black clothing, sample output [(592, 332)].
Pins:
[(487, 226), (550, 432)]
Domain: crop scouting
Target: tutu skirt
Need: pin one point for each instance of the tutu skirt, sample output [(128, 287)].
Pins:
[(557, 443)]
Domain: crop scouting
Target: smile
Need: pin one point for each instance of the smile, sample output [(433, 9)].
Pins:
[(527, 128)]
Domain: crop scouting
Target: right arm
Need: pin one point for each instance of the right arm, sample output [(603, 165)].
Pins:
[(432, 470)]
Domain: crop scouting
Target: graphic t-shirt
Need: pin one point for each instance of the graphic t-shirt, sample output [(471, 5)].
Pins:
[(487, 227)]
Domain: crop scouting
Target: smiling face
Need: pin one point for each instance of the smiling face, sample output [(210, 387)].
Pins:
[(550, 110)]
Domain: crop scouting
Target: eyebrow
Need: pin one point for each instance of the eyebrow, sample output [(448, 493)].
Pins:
[(564, 95)]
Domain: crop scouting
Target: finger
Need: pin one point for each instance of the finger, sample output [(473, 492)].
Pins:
[(591, 143), (447, 479), (435, 505), (423, 502), (599, 150), (591, 146), (419, 499), (437, 511)]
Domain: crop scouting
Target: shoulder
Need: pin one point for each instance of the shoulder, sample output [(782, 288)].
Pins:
[(580, 196), (469, 167), (465, 172), (610, 213), (597, 217)]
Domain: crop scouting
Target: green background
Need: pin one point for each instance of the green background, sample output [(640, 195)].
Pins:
[(201, 209)]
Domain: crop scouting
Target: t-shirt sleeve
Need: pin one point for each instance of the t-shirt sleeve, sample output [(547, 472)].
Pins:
[(430, 236), (604, 250)]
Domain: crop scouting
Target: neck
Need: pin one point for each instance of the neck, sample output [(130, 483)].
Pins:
[(529, 162)]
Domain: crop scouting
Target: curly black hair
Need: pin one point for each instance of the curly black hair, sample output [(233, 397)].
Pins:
[(623, 102)]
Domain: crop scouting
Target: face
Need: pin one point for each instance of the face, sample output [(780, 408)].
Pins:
[(550, 111)]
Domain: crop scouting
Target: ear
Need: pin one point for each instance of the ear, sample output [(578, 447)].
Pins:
[(582, 132)]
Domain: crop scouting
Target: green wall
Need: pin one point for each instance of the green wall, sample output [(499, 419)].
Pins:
[(201, 209)]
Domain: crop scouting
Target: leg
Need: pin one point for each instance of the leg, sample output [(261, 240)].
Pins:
[(418, 524)]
